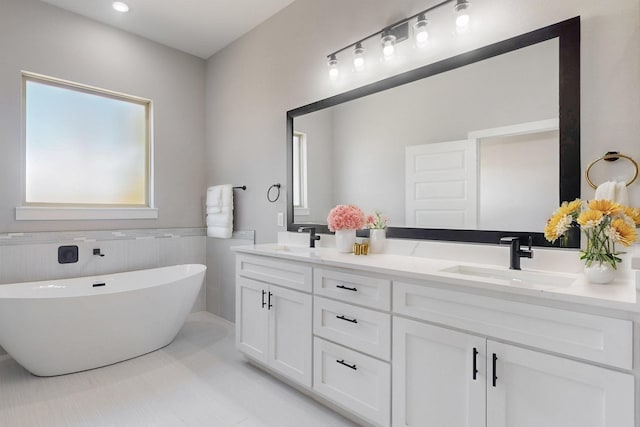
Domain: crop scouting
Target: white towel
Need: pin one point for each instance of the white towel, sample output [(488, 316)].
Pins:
[(614, 191), (621, 194), (214, 199), (606, 190), (220, 211)]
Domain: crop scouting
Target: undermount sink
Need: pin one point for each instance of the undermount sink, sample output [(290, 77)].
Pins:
[(530, 279), (297, 250)]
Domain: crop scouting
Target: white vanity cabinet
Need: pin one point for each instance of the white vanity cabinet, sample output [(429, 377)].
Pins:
[(442, 374), (273, 322), (446, 377), (398, 350)]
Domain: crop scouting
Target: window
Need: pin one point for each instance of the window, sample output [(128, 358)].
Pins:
[(86, 150), (300, 173)]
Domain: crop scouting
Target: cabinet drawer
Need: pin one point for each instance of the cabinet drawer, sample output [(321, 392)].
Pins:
[(357, 382), (288, 274), (585, 336), (358, 289), (359, 328)]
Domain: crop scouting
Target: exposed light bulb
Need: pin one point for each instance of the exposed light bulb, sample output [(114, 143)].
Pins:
[(420, 33), (461, 10), (120, 6), (334, 72), (358, 57), (388, 45), (462, 21)]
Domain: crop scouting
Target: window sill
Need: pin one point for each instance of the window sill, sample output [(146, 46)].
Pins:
[(31, 213), (302, 211)]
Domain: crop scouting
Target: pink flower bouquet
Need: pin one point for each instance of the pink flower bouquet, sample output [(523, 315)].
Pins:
[(346, 217)]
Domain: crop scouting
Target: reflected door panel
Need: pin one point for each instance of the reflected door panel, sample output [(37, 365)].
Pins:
[(441, 185)]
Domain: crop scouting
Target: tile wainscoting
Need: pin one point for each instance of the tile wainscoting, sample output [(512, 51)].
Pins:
[(221, 273)]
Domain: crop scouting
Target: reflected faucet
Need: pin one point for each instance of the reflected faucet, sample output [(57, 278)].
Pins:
[(312, 235), (515, 252)]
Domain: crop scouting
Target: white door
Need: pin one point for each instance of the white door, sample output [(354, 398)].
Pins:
[(434, 381), (442, 185), (534, 389), (252, 318), (290, 333)]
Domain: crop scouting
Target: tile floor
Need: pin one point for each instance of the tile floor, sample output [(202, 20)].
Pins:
[(199, 380)]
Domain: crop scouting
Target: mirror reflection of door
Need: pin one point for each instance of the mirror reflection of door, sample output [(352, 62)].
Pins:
[(441, 185), (480, 182)]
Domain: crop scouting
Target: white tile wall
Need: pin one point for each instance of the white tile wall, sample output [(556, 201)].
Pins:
[(221, 268)]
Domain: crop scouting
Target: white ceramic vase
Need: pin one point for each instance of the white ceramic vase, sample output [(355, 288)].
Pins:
[(377, 240), (599, 273), (345, 240)]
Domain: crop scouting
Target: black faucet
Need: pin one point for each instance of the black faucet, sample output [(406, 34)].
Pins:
[(312, 235), (516, 253)]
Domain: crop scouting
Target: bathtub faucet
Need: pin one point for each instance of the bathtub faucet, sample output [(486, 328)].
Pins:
[(97, 252)]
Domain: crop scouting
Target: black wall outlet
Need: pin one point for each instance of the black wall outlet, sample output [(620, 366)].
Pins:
[(67, 254)]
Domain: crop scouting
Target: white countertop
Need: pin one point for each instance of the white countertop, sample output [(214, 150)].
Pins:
[(619, 295)]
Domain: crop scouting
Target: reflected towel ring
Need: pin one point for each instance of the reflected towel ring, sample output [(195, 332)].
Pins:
[(610, 157), (269, 198)]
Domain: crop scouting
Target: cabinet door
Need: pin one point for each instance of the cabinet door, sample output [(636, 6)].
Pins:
[(434, 383), (534, 389), (252, 318), (290, 334)]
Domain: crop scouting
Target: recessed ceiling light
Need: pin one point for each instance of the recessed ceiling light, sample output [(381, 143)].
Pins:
[(120, 7)]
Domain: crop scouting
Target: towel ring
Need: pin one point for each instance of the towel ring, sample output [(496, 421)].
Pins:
[(610, 157), (277, 196)]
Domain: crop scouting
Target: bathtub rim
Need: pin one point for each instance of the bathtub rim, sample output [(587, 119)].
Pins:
[(75, 288)]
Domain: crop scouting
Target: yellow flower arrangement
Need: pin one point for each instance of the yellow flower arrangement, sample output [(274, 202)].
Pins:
[(604, 223)]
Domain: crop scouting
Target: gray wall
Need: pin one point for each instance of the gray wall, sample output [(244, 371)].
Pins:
[(281, 65), (40, 38)]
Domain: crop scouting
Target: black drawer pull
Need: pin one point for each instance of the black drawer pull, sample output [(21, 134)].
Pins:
[(347, 288), (341, 317), (263, 294), (475, 367), (270, 305), (342, 362), (495, 376)]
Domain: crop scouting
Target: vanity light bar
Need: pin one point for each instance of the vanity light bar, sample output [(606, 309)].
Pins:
[(399, 31)]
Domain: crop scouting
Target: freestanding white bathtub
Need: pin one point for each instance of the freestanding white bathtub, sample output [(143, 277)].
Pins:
[(56, 327)]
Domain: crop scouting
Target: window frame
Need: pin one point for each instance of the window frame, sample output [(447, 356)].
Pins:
[(71, 211), (303, 207)]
